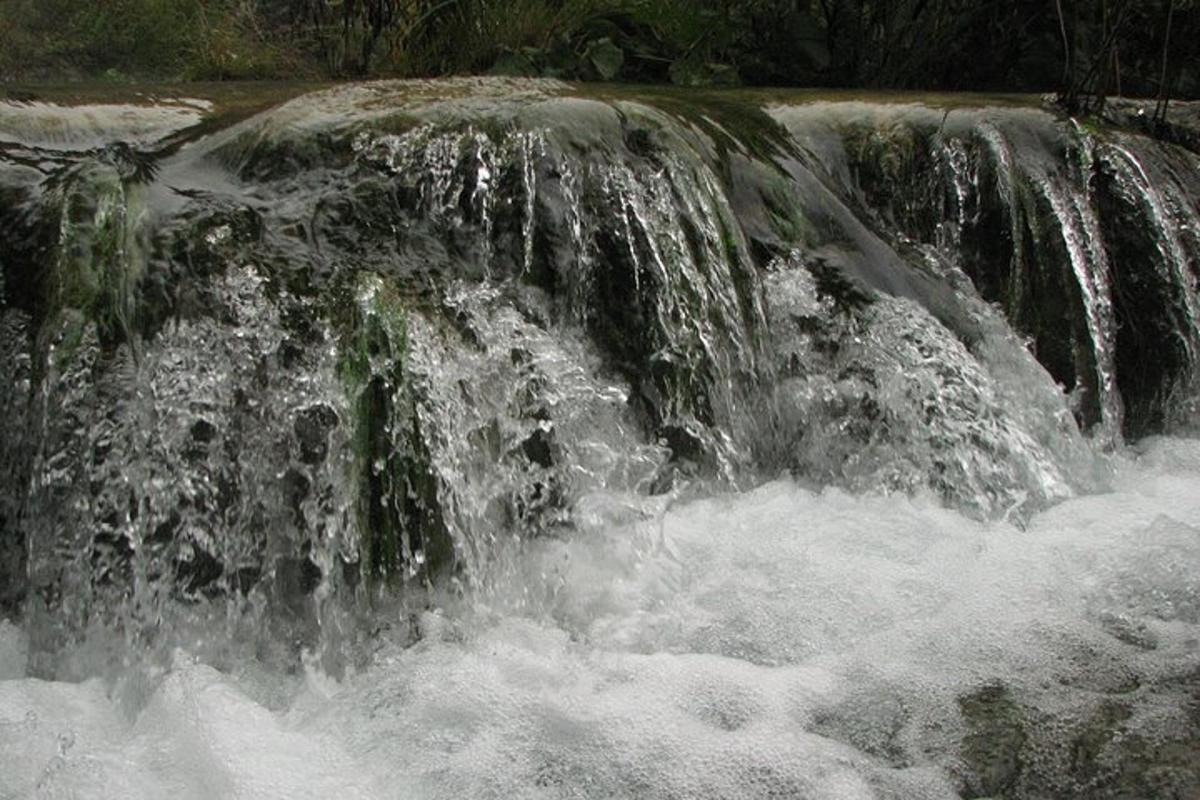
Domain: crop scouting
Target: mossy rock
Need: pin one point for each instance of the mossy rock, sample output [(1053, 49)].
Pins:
[(996, 737), (98, 263), (402, 533)]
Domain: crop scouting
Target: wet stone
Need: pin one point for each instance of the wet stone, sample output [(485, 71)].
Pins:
[(312, 427), (539, 448), (1129, 631), (1089, 745), (165, 531), (203, 431), (994, 743), (296, 487), (199, 571)]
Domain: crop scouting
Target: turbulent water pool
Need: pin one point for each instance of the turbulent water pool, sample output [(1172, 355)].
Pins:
[(490, 438), (776, 643)]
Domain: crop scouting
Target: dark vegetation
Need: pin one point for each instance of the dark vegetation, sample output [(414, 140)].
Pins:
[(1081, 48)]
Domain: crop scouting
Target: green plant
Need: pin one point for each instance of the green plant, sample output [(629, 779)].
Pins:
[(130, 36), (232, 41), (544, 37), (401, 531)]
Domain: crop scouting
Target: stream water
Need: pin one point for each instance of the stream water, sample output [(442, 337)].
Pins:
[(492, 438)]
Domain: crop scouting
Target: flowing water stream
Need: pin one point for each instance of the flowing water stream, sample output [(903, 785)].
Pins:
[(491, 438)]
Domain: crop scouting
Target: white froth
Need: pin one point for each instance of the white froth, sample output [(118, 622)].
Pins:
[(83, 127), (14, 651), (780, 643)]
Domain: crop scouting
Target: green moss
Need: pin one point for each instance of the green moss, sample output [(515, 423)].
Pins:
[(401, 531), (373, 372), (995, 740), (1088, 747), (786, 215), (741, 269), (1091, 124), (887, 154), (731, 119), (1110, 759), (97, 266), (394, 124), (261, 154)]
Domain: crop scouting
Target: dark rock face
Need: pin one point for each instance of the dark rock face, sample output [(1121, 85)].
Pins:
[(350, 343), (1088, 246), (16, 462)]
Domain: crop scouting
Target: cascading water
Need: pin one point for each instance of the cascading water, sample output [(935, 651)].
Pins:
[(491, 438)]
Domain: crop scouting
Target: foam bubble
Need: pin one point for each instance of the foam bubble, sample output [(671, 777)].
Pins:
[(778, 643), (14, 651)]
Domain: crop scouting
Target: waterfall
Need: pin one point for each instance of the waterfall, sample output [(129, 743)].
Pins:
[(410, 373)]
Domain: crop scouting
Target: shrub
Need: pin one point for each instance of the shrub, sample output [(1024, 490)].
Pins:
[(1092, 46), (234, 40), (136, 37), (517, 36)]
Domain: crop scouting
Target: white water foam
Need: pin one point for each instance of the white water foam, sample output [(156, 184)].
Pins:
[(76, 128), (777, 643)]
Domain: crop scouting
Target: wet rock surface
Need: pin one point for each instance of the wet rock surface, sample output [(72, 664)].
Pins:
[(300, 364)]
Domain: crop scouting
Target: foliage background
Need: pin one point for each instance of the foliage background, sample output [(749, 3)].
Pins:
[(1099, 46)]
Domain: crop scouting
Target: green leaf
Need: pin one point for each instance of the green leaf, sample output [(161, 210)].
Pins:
[(688, 72), (816, 52), (723, 75), (598, 28), (517, 65), (806, 26), (606, 58), (694, 72)]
